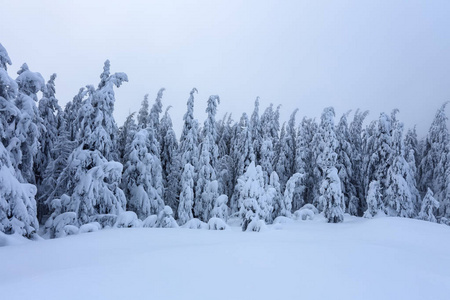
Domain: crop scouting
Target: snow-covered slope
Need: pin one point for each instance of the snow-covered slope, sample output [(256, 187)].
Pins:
[(384, 258)]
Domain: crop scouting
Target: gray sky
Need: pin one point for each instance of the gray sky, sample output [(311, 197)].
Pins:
[(375, 55)]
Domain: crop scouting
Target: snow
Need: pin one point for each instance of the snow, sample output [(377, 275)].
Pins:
[(381, 258)]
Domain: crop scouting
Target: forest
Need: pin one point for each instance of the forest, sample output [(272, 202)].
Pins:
[(63, 170)]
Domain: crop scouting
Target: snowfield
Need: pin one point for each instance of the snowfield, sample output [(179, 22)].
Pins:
[(382, 258)]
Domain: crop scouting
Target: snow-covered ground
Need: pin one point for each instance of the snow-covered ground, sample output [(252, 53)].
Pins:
[(383, 258)]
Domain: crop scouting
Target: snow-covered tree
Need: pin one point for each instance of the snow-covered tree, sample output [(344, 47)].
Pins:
[(277, 197), (432, 167), (254, 200), (344, 166), (374, 200), (186, 195), (170, 163), (126, 135), (155, 111), (220, 209), (429, 206), (242, 151), (92, 184), (138, 181), (286, 201), (304, 163), (356, 142), (207, 185), (286, 158), (256, 133), (188, 147), (325, 144), (98, 128), (49, 111), (17, 203), (28, 128), (142, 117)]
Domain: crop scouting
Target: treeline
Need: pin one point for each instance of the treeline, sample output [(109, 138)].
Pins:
[(74, 166)]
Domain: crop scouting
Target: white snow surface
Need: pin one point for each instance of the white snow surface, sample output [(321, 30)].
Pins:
[(380, 258)]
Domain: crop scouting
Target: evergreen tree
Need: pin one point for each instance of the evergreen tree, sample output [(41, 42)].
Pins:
[(29, 126), (153, 117), (374, 200), (98, 128), (286, 203), (325, 142), (256, 134), (143, 117), (432, 166), (138, 181), (50, 112), (304, 163), (356, 142), (188, 148), (429, 206), (186, 195), (345, 154), (254, 200), (126, 135)]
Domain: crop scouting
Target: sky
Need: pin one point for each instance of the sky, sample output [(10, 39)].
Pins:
[(372, 55)]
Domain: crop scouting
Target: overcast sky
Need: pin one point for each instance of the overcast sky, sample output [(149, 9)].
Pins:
[(375, 55)]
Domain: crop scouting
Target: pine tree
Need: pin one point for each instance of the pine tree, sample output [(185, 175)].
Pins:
[(277, 197), (286, 203), (170, 162), (325, 142), (143, 117), (51, 114), (432, 166), (186, 195), (254, 201), (286, 159), (188, 148), (138, 181), (345, 154), (126, 135), (429, 205), (98, 128), (374, 200), (356, 142), (304, 163), (256, 134), (153, 117), (27, 130), (401, 195)]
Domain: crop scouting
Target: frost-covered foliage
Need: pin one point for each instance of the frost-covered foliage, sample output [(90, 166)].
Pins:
[(374, 200), (304, 190), (429, 206), (195, 224), (98, 129), (188, 148), (170, 162), (17, 203), (186, 195), (207, 186), (331, 199), (431, 168), (255, 202), (216, 223), (286, 202), (127, 219), (285, 166), (165, 218), (92, 183), (220, 209), (141, 176)]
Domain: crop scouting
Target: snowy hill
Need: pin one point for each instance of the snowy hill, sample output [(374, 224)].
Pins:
[(383, 258)]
